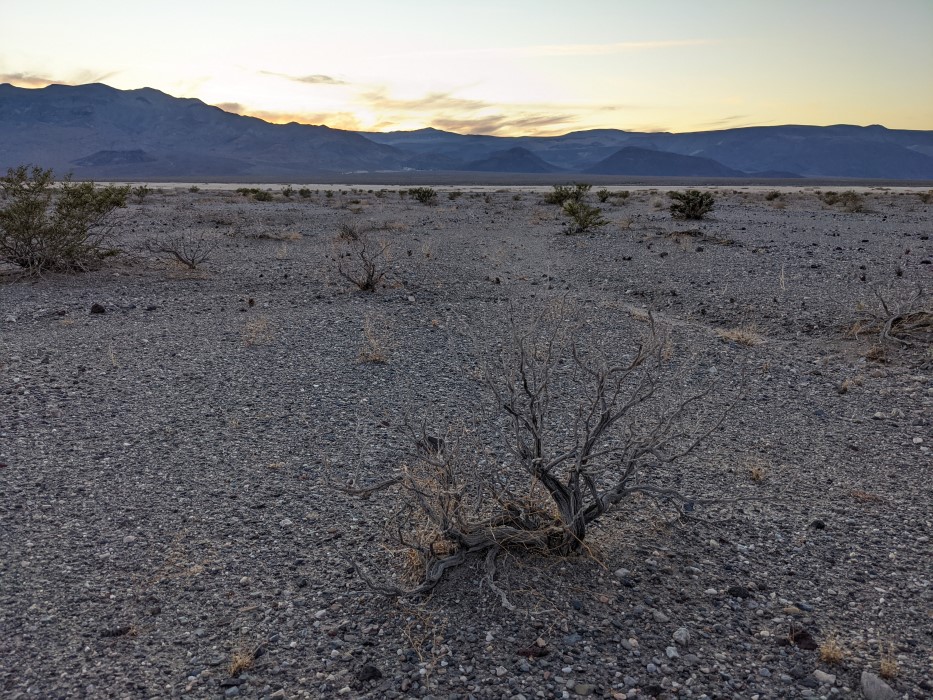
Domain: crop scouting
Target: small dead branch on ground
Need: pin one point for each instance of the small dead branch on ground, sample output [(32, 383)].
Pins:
[(364, 262), (900, 317)]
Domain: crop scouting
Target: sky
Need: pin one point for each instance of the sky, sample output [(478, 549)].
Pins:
[(504, 67)]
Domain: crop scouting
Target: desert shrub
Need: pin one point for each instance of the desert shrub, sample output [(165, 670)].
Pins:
[(364, 262), (329, 194), (583, 433), (262, 196), (603, 195), (141, 192), (304, 193), (288, 191), (926, 197), (565, 193), (42, 229), (186, 247), (582, 217), (194, 188), (771, 196), (622, 194), (691, 204), (456, 194), (425, 195)]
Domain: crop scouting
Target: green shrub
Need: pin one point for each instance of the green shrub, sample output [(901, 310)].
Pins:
[(262, 196), (288, 191), (771, 196), (456, 194), (691, 204), (141, 192), (603, 195), (567, 193), (425, 195), (583, 217), (194, 188), (47, 229), (304, 193), (622, 194)]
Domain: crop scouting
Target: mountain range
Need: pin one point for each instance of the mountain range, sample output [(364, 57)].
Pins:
[(96, 131)]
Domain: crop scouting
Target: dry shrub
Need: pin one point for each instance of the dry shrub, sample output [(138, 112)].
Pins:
[(584, 433), (900, 317), (364, 262)]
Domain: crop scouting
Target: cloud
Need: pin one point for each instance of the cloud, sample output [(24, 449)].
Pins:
[(570, 49), (316, 79), (378, 100), (505, 125), (335, 120), (34, 80)]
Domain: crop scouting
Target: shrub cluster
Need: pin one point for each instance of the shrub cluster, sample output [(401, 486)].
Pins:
[(44, 228), (691, 204)]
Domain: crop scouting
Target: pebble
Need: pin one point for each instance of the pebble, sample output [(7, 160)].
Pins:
[(824, 677), (672, 652), (129, 539), (623, 573), (285, 522), (232, 692), (682, 636), (873, 688)]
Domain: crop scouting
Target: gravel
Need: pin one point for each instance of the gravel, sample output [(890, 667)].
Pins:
[(169, 442)]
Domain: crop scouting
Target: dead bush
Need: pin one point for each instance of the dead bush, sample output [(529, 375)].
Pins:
[(364, 262), (583, 432), (189, 248), (899, 316)]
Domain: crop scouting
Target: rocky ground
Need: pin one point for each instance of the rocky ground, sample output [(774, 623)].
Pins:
[(170, 525)]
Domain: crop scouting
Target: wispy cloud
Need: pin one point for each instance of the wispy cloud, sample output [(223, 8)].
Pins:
[(604, 49), (379, 100), (316, 79), (501, 124), (335, 120), (34, 80)]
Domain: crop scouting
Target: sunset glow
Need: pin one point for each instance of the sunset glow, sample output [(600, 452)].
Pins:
[(506, 68)]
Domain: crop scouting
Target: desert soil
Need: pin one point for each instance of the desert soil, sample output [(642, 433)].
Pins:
[(168, 467)]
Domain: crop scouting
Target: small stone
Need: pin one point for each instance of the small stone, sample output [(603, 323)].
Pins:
[(232, 692), (873, 688), (583, 689), (682, 636), (320, 614), (285, 522), (738, 592), (623, 573), (501, 671), (660, 617), (345, 690), (244, 581), (129, 539), (672, 652), (99, 309), (710, 591), (824, 677), (792, 610), (918, 440), (369, 673)]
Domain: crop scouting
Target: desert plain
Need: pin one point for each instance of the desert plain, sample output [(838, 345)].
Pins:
[(172, 522)]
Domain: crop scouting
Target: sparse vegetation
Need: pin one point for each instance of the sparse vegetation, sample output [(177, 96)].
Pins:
[(194, 188), (141, 192), (567, 193), (288, 192), (263, 196), (772, 195), (47, 229), (425, 195), (304, 193), (691, 204), (603, 195), (582, 217), (849, 200), (455, 194)]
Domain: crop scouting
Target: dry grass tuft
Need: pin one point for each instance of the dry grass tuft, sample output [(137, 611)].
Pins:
[(257, 331), (376, 346), (747, 336), (831, 651), (757, 472), (888, 666), (865, 496), (848, 383), (242, 660)]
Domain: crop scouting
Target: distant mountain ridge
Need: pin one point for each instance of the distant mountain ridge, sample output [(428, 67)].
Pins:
[(99, 132)]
